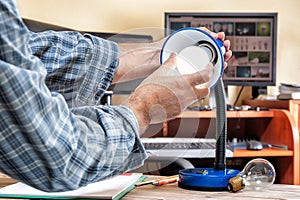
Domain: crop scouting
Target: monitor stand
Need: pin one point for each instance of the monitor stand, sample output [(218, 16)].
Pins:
[(257, 90)]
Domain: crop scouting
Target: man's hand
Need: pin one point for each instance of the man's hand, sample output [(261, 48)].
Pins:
[(139, 60), (166, 93), (221, 36)]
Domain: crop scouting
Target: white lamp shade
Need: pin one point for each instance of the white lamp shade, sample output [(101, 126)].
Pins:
[(195, 50)]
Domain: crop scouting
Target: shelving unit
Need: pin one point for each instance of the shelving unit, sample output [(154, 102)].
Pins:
[(276, 126), (291, 105)]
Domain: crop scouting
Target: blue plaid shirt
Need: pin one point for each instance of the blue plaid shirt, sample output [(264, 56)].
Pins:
[(54, 136)]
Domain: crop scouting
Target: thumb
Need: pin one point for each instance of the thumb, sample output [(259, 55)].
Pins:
[(202, 90), (171, 62), (202, 76)]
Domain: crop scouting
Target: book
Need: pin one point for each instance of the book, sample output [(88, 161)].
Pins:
[(293, 95), (291, 85), (114, 188), (289, 91)]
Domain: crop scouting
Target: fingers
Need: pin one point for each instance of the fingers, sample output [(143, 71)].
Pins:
[(199, 81), (213, 34), (221, 36), (202, 90), (171, 62), (227, 44), (228, 55)]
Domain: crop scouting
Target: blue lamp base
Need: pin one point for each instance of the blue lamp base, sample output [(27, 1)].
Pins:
[(205, 179)]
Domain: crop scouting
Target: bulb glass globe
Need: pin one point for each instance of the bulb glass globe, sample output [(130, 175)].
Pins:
[(258, 174)]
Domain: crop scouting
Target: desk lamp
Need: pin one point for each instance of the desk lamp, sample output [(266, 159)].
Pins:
[(195, 49)]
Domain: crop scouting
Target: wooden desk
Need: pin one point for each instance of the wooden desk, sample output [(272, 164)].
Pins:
[(173, 192)]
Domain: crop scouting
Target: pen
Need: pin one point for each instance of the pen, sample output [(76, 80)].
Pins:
[(158, 181)]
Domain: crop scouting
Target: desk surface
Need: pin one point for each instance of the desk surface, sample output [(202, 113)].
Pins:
[(173, 192)]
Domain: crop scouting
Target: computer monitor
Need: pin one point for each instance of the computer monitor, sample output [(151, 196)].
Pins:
[(253, 42)]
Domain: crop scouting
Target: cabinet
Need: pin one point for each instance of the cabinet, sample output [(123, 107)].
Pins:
[(275, 126)]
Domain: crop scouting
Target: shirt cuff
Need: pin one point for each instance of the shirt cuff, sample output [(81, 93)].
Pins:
[(103, 66), (138, 152)]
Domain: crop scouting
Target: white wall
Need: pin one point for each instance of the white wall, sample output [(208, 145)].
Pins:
[(126, 15)]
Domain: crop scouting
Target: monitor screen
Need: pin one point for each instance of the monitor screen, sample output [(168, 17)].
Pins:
[(253, 43)]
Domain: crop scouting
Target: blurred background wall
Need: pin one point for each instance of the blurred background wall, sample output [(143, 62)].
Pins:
[(135, 15)]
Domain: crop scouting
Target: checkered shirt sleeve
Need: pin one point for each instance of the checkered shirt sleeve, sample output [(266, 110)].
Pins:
[(53, 135)]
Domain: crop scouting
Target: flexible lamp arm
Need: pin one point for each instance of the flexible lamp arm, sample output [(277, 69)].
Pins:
[(221, 126)]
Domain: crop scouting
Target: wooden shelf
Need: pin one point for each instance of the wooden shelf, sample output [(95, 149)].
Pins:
[(293, 106), (229, 114), (262, 153)]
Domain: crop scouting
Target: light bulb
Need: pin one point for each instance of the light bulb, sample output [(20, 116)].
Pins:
[(256, 175)]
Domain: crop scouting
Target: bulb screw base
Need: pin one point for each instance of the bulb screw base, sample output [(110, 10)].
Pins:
[(236, 183)]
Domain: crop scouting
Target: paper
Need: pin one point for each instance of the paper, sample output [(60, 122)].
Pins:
[(108, 189)]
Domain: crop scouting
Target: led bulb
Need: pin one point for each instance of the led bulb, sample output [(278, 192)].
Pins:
[(257, 175)]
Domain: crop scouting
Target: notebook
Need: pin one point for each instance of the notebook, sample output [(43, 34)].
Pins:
[(114, 188)]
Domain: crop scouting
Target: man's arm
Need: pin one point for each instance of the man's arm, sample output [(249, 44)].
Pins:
[(42, 142), (80, 67)]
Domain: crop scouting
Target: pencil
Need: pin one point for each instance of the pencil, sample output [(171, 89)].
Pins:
[(157, 181), (166, 180)]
